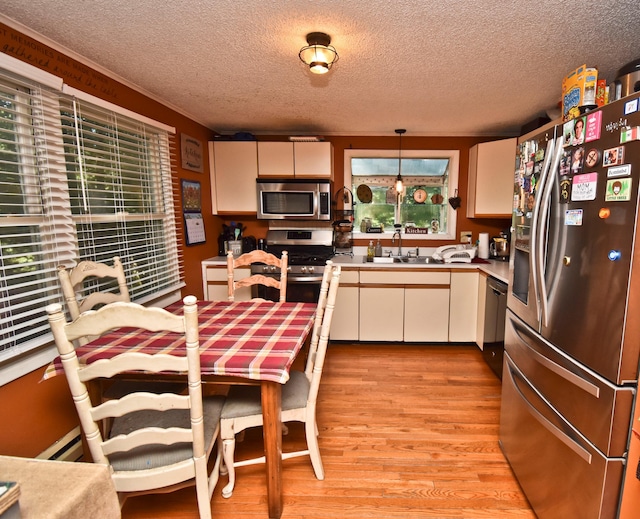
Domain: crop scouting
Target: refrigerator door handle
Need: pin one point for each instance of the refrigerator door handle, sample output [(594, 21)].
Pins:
[(547, 188), (535, 230), (567, 440), (556, 368)]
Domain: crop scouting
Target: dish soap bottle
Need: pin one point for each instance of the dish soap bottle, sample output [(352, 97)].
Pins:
[(378, 251), (370, 251)]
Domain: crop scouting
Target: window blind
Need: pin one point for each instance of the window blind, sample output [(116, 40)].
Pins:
[(77, 181)]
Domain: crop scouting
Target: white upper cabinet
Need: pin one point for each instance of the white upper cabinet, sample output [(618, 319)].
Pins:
[(491, 174), (295, 159), (234, 170), (313, 159), (275, 159)]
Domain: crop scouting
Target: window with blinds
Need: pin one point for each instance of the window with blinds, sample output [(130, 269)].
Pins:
[(77, 181)]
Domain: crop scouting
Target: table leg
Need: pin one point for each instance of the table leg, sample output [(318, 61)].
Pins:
[(272, 430)]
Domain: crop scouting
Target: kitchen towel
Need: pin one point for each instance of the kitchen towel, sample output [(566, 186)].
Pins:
[(483, 245)]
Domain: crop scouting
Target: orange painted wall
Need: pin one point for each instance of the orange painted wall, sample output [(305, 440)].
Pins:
[(34, 414)]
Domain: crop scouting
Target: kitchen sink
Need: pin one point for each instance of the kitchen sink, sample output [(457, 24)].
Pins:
[(404, 259), (415, 259)]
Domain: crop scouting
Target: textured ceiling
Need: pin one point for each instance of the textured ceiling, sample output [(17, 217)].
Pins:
[(460, 67)]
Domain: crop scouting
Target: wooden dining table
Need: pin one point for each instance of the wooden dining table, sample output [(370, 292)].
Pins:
[(244, 342)]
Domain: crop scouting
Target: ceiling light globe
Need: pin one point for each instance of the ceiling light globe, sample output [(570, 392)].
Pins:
[(318, 67)]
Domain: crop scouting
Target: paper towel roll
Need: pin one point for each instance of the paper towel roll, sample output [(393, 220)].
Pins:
[(483, 245)]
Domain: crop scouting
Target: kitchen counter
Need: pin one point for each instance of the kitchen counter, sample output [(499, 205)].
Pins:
[(494, 268)]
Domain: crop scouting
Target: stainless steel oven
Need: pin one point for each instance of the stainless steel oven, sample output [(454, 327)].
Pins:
[(308, 251)]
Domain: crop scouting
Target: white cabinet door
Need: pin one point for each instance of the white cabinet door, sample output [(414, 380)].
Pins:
[(344, 324), (313, 159), (346, 315), (215, 287), (426, 314), (464, 306), (234, 170), (491, 177), (381, 314), (275, 159)]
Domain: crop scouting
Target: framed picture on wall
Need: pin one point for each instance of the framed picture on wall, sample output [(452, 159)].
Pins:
[(191, 153), (191, 196)]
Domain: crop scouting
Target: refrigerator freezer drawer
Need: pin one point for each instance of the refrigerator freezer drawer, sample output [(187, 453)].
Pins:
[(560, 472), (600, 410)]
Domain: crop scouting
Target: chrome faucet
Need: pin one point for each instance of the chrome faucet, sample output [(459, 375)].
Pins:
[(393, 240)]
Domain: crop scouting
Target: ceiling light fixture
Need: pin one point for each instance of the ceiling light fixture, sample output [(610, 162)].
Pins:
[(399, 185), (318, 54)]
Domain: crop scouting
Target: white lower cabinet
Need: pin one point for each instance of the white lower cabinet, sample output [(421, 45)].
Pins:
[(406, 305), (381, 314), (426, 314), (378, 305), (464, 306), (215, 286), (345, 321)]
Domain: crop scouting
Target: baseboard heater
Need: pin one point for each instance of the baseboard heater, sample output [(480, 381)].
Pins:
[(67, 448)]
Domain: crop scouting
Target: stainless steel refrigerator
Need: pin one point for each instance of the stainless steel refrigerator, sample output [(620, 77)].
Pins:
[(572, 332)]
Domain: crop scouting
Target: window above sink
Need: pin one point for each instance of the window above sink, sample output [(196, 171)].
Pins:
[(430, 177)]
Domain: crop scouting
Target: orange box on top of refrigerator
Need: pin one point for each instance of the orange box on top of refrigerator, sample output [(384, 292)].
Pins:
[(578, 89)]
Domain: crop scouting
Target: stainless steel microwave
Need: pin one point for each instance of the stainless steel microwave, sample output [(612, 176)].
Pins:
[(294, 199)]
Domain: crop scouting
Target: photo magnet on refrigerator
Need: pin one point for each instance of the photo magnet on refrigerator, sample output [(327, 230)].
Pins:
[(631, 106), (593, 126), (613, 156), (565, 190), (573, 217), (618, 190), (630, 134)]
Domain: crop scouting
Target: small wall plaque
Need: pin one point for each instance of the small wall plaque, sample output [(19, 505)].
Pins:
[(191, 152)]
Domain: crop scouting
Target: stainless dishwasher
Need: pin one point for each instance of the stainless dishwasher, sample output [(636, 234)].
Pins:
[(494, 317)]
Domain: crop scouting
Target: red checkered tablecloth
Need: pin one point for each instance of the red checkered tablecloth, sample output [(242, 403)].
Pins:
[(248, 339)]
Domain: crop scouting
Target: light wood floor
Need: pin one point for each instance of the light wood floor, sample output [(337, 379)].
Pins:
[(405, 432)]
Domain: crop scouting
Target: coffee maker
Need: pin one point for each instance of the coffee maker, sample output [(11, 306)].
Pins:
[(499, 247)]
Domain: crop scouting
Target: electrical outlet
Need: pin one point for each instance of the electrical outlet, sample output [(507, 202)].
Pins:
[(465, 236)]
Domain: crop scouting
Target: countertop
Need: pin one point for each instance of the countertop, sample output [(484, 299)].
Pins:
[(494, 268)]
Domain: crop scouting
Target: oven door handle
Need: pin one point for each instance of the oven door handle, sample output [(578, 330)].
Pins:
[(304, 279)]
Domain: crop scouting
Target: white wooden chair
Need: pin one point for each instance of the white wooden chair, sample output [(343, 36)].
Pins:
[(242, 408), (72, 282), (98, 275), (158, 443), (257, 256)]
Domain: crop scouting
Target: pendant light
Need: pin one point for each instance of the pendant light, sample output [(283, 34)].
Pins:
[(399, 186)]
